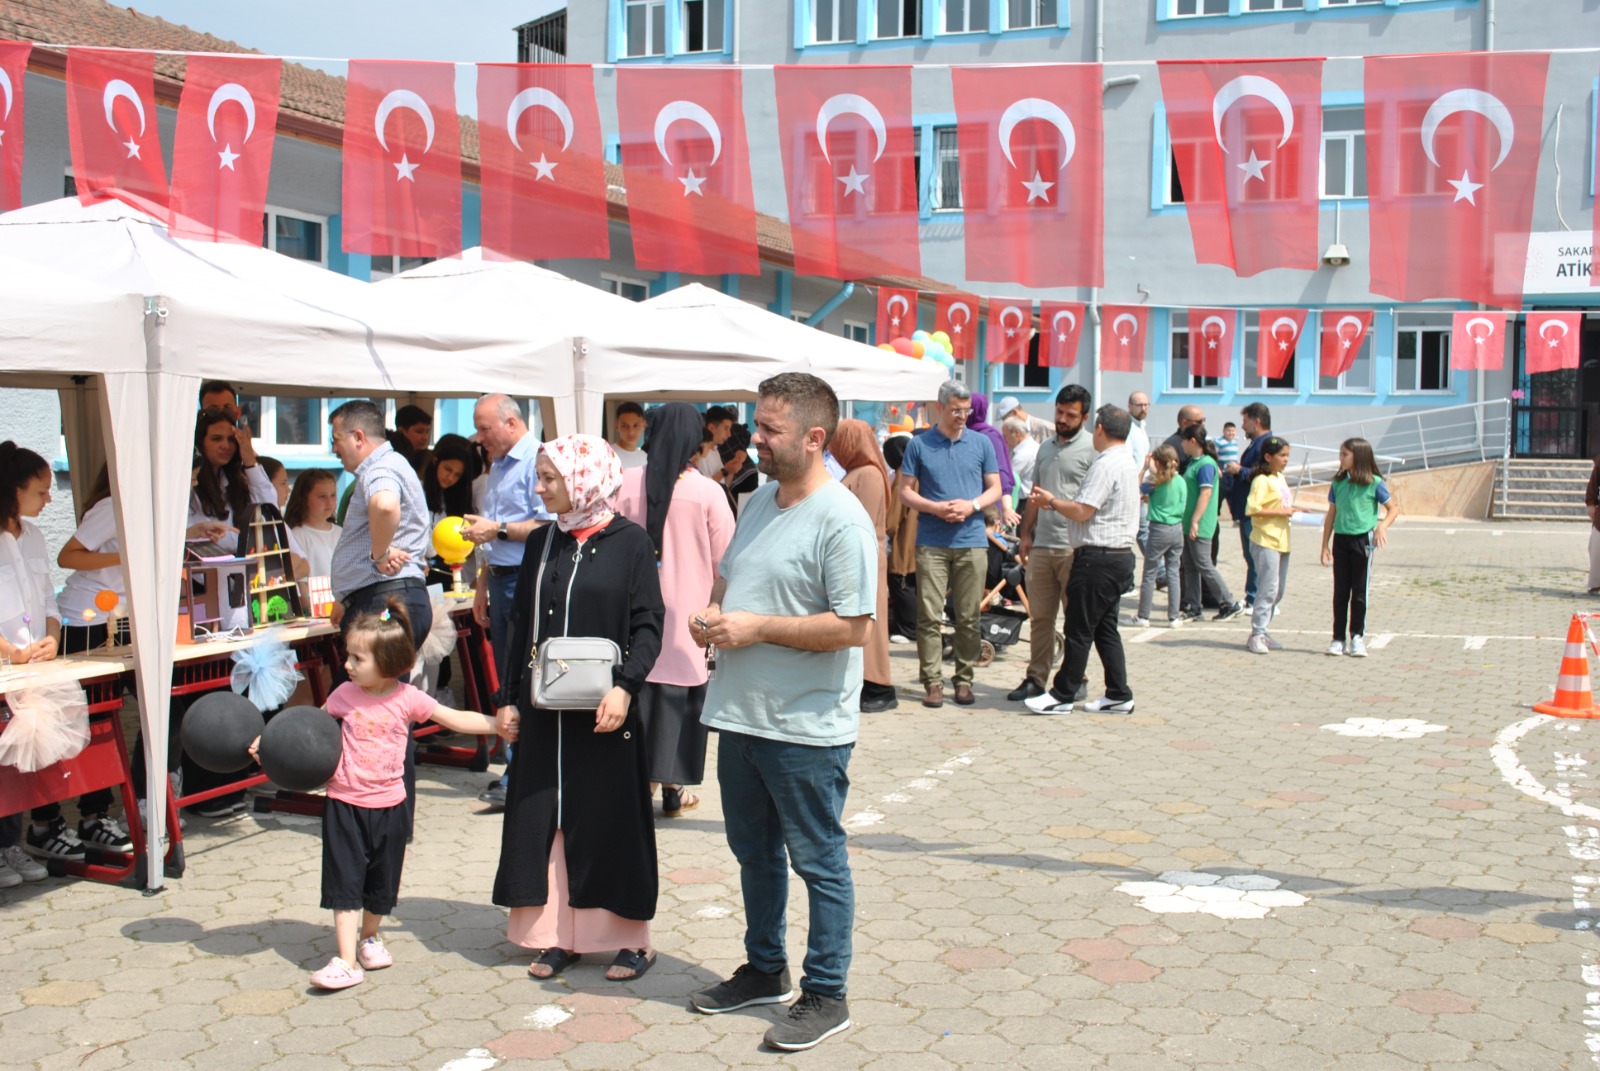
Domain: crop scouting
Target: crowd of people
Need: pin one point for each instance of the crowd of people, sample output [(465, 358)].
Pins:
[(763, 610)]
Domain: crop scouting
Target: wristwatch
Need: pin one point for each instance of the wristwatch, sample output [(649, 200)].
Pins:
[(976, 507), (502, 535)]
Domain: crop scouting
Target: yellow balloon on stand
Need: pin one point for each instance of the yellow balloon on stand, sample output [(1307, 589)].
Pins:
[(449, 543)]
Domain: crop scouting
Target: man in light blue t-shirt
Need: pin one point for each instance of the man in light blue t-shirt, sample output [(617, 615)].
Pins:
[(789, 614)]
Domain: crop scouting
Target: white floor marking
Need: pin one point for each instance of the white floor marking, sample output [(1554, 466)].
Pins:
[(1388, 728), (1186, 892), (1474, 643), (1517, 776), (1380, 641), (713, 911), (547, 1017), (474, 1060), (928, 782), (1144, 636)]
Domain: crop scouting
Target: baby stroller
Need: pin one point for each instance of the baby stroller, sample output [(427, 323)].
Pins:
[(1004, 608)]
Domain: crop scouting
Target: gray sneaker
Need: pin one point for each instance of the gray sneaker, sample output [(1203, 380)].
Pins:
[(811, 1019), (1358, 647), (1257, 644), (1272, 642), (747, 987), (21, 864)]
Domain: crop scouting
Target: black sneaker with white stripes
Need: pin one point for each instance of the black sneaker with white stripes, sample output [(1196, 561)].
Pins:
[(104, 832), (55, 841)]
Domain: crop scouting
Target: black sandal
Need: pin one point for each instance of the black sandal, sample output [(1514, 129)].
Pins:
[(557, 959), (673, 800), (634, 960)]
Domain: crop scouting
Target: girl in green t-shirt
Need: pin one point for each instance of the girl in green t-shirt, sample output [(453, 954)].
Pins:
[(1351, 532), (1168, 494), (1204, 480)]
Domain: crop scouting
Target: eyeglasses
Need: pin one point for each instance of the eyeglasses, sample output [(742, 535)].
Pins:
[(960, 412)]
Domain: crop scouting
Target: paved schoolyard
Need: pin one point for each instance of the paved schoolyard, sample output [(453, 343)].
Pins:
[(1278, 862)]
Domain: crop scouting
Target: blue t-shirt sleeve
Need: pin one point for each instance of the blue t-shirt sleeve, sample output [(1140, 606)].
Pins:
[(990, 464), (1207, 476), (1380, 492), (910, 464), (1146, 488), (850, 570)]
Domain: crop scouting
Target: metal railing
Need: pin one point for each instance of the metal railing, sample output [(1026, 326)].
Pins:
[(1319, 464), (1421, 438)]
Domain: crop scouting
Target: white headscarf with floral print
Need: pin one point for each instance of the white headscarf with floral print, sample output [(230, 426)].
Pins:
[(592, 473)]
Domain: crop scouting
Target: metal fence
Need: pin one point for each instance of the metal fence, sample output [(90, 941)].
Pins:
[(1420, 439)]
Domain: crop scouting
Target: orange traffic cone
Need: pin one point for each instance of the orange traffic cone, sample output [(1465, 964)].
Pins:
[(1574, 693)]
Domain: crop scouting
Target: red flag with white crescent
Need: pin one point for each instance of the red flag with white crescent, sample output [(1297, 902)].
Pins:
[(543, 161), (1060, 327), (1122, 337), (1031, 172), (111, 122), (1277, 340), (1431, 118), (13, 75), (222, 154), (1246, 141), (1211, 335), (849, 154), (897, 314), (687, 165), (1343, 331), (957, 316), (1010, 328), (1552, 340), (402, 159), (1478, 341)]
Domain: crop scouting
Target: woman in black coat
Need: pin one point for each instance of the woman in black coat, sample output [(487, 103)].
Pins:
[(578, 850)]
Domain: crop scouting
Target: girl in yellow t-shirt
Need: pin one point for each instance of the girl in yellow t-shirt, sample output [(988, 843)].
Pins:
[(1269, 511)]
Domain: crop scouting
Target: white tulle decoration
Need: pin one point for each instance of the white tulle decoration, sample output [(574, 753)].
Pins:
[(48, 724), (265, 674)]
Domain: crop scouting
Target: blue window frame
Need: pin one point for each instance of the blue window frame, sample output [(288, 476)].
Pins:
[(1182, 11), (666, 31), (840, 25)]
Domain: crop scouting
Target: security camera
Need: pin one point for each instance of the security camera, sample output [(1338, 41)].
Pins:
[(1337, 255)]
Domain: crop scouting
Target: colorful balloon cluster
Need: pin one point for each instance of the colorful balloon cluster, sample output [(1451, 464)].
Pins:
[(924, 347)]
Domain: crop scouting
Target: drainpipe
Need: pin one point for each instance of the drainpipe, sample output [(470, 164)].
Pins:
[(1482, 377), (816, 318), (1094, 292)]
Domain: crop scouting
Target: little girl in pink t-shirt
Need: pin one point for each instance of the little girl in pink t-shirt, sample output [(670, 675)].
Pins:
[(363, 821)]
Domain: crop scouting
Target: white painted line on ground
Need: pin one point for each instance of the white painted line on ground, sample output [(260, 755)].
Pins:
[(1516, 775), (1144, 636), (1380, 641), (928, 782), (1474, 643), (1373, 644), (547, 1017), (474, 1060)]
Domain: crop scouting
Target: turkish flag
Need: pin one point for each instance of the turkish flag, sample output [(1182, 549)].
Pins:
[(690, 205), (849, 153), (1246, 140), (402, 159), (1552, 340), (1343, 331), (222, 155), (1060, 325), (1211, 334), (13, 73), (1431, 118), (543, 160), (1478, 341), (957, 316), (1031, 173), (111, 122), (1277, 340), (1010, 328), (1122, 342), (897, 314)]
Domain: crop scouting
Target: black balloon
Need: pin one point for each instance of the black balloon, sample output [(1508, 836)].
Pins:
[(300, 748), (217, 731)]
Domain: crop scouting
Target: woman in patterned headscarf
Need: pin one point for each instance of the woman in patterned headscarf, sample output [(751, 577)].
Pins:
[(578, 851)]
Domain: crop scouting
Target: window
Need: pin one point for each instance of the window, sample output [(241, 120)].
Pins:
[(1348, 3), (1358, 379), (645, 24), (856, 331), (295, 235), (387, 266), (1028, 14), (833, 21), (632, 289), (946, 193), (294, 427), (1422, 352), (1344, 152), (702, 25), (1029, 376), (1178, 377), (799, 317), (965, 16), (899, 18), (1249, 378), (1187, 8), (1274, 5)]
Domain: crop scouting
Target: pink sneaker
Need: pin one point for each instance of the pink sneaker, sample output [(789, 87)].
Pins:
[(338, 975), (373, 956)]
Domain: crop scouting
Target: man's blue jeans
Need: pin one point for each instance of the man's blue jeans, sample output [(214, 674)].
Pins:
[(781, 806), (502, 596), (1249, 561)]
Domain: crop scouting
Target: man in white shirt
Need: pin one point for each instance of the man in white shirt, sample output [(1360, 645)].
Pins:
[(1024, 454), (1139, 444), (719, 422), (1010, 406), (629, 425)]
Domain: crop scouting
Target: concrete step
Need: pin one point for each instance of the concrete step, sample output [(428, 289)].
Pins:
[(1525, 516), (1551, 498)]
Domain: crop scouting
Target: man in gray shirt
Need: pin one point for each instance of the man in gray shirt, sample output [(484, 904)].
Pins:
[(1046, 550)]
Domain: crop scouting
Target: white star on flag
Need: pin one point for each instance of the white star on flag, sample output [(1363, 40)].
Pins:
[(405, 169), (692, 184), (545, 169), (853, 182), (133, 148), (1211, 343), (1345, 344), (1061, 338), (1283, 345), (1254, 168), (228, 157), (1011, 332), (1465, 188), (1038, 189), (894, 321), (1552, 342)]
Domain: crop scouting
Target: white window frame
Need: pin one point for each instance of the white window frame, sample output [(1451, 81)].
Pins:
[(971, 10), (1351, 139), (1039, 20), (800, 317), (683, 26), (856, 331), (652, 47), (1364, 360), (1199, 13), (1008, 376), (936, 188), (1249, 6), (1178, 328), (1420, 324), (266, 431), (842, 34), (269, 235), (390, 265), (1249, 381), (899, 7), (614, 284)]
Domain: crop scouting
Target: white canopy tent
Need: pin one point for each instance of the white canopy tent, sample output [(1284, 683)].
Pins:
[(177, 312)]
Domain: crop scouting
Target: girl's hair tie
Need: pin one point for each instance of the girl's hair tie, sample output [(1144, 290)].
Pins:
[(384, 616)]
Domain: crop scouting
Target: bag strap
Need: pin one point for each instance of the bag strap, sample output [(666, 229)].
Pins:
[(538, 590)]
